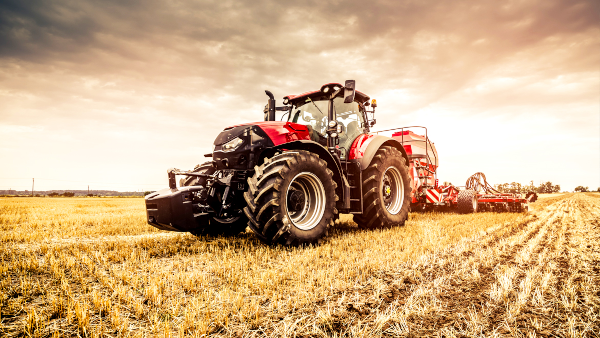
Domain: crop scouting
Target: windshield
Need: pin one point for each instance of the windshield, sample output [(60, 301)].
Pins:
[(314, 115)]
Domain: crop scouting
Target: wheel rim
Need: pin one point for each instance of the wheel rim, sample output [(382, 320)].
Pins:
[(393, 190), (305, 201)]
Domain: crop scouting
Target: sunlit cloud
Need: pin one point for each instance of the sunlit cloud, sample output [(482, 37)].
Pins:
[(119, 91)]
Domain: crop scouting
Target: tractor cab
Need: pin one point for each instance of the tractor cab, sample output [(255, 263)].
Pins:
[(350, 119), (312, 109)]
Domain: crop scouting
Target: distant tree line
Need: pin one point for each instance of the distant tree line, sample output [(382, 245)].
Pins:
[(518, 188), (65, 194), (76, 193), (584, 189)]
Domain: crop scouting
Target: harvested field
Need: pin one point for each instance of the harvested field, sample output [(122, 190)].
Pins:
[(91, 267)]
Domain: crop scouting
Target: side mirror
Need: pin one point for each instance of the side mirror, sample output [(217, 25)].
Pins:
[(349, 91)]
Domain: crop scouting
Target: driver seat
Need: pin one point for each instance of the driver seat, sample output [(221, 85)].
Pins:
[(352, 130)]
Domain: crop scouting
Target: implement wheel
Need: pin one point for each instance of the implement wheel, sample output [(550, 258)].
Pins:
[(386, 187), (291, 199), (216, 226), (467, 201)]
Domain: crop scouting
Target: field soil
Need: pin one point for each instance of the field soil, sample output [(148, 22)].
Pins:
[(93, 267)]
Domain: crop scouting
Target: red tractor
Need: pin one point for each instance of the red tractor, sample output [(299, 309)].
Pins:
[(289, 180)]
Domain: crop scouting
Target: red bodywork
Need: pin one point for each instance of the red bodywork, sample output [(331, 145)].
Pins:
[(359, 146), (281, 132)]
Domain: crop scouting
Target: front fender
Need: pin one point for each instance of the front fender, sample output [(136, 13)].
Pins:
[(318, 149), (332, 164), (365, 147)]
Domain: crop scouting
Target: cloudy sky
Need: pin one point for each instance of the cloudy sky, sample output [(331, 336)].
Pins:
[(113, 93)]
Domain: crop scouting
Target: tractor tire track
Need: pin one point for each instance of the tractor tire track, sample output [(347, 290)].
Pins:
[(425, 279), (517, 313), (576, 276), (458, 294), (508, 311), (463, 296), (362, 303)]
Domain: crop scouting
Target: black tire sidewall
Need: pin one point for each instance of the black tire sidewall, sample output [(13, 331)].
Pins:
[(319, 169), (398, 163)]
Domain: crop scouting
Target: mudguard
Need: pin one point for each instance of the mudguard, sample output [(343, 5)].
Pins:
[(365, 146), (334, 166)]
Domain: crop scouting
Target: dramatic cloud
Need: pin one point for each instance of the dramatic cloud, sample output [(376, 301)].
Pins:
[(115, 92)]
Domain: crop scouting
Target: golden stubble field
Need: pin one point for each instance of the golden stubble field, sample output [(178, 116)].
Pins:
[(93, 267)]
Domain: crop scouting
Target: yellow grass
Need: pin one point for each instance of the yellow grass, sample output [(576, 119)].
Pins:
[(549, 195), (92, 267), (40, 219)]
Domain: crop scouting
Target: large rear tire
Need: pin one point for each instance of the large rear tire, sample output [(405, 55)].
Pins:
[(291, 199), (386, 187), (216, 226), (467, 201)]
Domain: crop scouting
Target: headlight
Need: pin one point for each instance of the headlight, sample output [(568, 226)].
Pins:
[(232, 145)]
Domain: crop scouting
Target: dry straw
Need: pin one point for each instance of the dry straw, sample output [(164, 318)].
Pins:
[(94, 268)]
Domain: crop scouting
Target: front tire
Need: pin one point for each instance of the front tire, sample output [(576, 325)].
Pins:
[(386, 184), (291, 199)]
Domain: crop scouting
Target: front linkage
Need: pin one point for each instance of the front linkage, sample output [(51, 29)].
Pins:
[(202, 205)]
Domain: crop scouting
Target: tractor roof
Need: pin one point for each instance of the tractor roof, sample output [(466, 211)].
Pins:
[(319, 95)]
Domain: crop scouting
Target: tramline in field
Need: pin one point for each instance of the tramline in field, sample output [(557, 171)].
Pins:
[(289, 180)]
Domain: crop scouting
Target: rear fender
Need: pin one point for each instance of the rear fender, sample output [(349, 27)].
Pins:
[(365, 147)]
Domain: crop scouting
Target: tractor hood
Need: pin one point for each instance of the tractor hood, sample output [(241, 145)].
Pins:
[(239, 147), (278, 132)]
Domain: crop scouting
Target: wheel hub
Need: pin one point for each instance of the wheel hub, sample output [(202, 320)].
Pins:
[(392, 190), (387, 189), (305, 200), (296, 200)]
